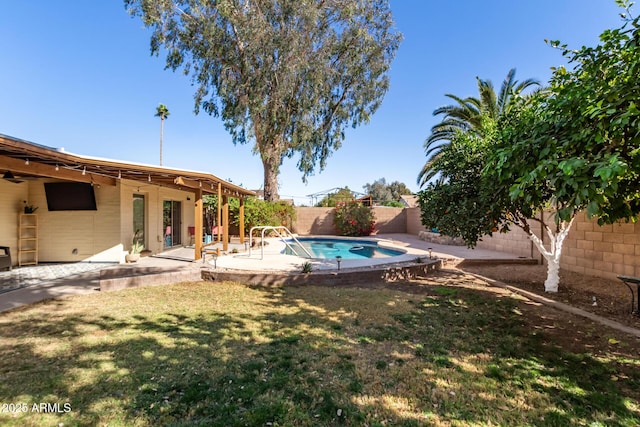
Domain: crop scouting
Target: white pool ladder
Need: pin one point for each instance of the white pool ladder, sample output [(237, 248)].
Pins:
[(276, 230)]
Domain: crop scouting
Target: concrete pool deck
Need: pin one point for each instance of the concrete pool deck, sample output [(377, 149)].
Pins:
[(60, 280), (274, 260)]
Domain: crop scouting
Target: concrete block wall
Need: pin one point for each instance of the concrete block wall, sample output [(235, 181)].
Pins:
[(390, 220), (602, 250), (514, 242), (11, 204), (314, 221), (414, 224), (319, 221)]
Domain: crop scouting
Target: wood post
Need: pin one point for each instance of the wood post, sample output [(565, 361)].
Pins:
[(241, 215), (225, 223), (198, 224)]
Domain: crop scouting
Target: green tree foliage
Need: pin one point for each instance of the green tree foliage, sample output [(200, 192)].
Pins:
[(468, 115), (332, 200), (386, 194), (354, 219), (288, 75), (262, 212), (574, 147), (465, 202)]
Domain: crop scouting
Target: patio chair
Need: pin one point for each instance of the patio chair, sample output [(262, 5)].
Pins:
[(5, 258)]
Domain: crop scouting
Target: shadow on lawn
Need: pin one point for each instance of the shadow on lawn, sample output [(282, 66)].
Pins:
[(312, 356)]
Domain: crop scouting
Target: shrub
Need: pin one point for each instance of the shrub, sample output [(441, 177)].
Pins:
[(307, 267), (354, 219), (261, 212)]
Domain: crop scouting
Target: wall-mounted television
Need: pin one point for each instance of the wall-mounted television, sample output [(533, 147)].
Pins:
[(70, 196)]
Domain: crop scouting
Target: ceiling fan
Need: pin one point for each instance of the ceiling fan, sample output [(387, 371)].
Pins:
[(8, 176)]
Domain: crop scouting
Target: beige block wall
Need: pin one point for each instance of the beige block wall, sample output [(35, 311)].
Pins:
[(604, 251), (414, 224), (154, 198), (514, 242), (313, 221), (601, 251), (66, 236), (11, 204), (390, 220), (101, 235), (319, 221)]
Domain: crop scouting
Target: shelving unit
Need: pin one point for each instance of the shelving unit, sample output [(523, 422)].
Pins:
[(28, 240)]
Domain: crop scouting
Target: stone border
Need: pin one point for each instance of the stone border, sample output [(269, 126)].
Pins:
[(344, 277), (123, 278)]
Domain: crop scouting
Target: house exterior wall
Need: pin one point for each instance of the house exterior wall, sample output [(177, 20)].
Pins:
[(11, 203), (65, 236), (101, 235), (154, 198)]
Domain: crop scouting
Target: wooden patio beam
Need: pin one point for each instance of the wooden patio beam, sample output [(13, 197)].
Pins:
[(39, 169)]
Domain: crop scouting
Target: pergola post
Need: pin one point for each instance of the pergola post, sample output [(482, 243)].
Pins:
[(219, 210), (198, 224), (241, 215), (225, 226)]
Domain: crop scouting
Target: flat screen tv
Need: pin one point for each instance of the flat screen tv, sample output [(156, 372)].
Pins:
[(70, 196)]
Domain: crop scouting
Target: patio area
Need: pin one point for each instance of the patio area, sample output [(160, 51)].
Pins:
[(27, 285)]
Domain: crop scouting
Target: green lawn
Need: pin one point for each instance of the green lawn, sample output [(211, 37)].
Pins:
[(224, 354)]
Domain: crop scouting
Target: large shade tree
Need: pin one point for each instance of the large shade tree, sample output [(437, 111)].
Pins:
[(575, 148), (287, 75), (468, 115)]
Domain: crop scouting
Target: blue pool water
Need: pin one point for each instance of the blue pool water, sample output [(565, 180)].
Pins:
[(328, 248)]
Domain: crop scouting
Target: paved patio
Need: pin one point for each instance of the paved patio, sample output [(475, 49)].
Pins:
[(27, 285)]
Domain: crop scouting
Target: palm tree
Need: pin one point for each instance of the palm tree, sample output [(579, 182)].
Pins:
[(163, 112), (467, 115)]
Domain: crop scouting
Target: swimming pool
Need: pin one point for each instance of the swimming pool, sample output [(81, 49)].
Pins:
[(330, 248)]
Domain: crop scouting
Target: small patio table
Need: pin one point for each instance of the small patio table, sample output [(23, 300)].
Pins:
[(635, 297)]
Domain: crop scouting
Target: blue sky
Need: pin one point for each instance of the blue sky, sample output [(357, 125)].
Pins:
[(78, 74)]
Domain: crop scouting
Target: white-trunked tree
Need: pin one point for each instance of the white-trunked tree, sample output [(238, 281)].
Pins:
[(574, 147)]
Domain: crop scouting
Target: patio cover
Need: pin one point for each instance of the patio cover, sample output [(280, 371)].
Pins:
[(26, 159)]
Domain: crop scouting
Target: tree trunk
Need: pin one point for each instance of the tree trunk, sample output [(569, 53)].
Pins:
[(271, 165), (552, 255), (161, 136)]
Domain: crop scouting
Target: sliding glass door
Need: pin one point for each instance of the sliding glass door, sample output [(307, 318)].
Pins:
[(139, 220), (172, 223)]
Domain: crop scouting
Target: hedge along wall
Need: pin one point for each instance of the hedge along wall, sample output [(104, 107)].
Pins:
[(319, 221)]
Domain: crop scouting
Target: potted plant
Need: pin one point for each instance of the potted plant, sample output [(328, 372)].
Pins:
[(29, 209), (136, 247)]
